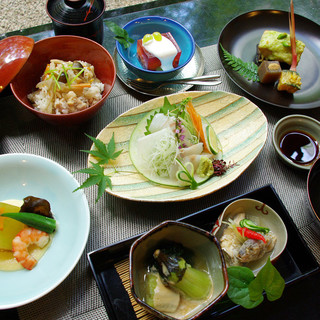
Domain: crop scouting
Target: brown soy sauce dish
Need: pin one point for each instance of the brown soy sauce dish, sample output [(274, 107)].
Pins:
[(296, 140)]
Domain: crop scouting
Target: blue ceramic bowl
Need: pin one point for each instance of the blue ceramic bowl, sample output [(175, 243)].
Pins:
[(137, 28)]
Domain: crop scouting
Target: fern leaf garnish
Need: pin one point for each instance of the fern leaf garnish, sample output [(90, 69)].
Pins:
[(248, 70)]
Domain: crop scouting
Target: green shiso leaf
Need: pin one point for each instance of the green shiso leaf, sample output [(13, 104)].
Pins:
[(121, 35), (249, 70)]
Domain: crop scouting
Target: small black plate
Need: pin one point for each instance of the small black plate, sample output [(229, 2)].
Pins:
[(241, 36), (295, 263)]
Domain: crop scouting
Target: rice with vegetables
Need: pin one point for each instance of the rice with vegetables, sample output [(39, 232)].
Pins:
[(66, 87)]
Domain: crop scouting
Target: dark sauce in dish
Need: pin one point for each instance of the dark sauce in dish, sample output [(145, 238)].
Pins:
[(299, 147)]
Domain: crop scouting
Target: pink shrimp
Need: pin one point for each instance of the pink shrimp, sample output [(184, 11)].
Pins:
[(21, 243)]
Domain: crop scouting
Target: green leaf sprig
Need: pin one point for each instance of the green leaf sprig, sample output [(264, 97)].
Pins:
[(247, 290), (248, 70), (122, 35), (173, 109), (104, 153), (55, 74)]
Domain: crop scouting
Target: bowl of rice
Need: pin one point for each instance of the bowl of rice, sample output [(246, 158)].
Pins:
[(66, 79)]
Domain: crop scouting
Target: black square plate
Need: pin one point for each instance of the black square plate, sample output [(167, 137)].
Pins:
[(295, 263)]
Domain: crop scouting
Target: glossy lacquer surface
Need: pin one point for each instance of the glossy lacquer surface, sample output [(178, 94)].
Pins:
[(14, 52)]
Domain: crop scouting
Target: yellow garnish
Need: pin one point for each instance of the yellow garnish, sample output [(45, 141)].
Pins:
[(157, 36), (147, 37)]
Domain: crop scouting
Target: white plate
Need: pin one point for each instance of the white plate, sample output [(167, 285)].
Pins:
[(24, 175)]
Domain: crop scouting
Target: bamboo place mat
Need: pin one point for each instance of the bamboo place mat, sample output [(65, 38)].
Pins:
[(122, 268)]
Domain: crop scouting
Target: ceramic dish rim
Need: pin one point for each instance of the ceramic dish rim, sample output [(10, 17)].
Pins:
[(283, 246), (185, 86), (201, 93), (266, 193)]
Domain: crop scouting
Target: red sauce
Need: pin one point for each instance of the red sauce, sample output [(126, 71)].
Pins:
[(299, 147)]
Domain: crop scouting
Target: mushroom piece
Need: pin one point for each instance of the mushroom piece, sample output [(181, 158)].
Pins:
[(36, 205)]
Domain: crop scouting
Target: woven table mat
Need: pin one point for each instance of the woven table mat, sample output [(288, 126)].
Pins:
[(114, 219)]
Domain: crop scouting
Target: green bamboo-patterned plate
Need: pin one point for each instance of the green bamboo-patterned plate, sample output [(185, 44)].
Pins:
[(240, 125)]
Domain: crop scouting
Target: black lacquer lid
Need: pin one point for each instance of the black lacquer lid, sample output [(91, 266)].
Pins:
[(75, 11)]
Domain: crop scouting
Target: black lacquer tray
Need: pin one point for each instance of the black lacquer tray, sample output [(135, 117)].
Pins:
[(295, 263)]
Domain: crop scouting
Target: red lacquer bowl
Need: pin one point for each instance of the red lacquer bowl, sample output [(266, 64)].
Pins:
[(64, 48), (14, 52)]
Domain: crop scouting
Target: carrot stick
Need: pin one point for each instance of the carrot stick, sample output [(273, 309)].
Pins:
[(81, 85), (46, 74), (197, 122)]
